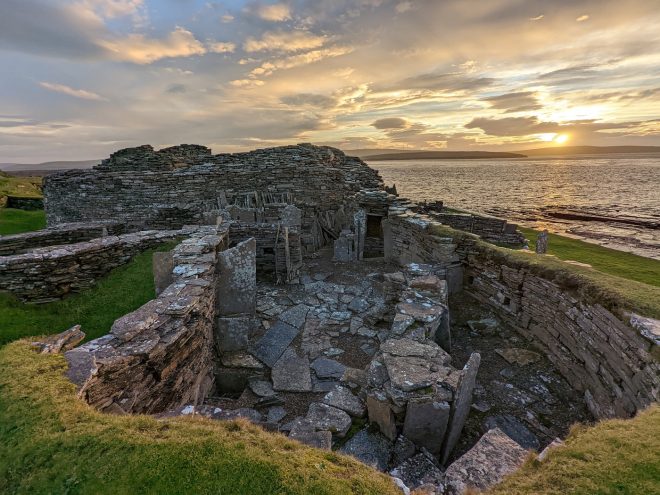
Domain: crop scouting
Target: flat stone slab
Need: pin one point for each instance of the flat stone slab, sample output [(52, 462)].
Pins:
[(275, 414), (408, 347), (514, 429), (423, 312), (521, 357), (274, 342), (493, 457), (327, 418), (291, 373), (484, 326), (262, 388), (342, 398), (328, 368), (240, 360), (319, 439), (413, 373), (418, 470), (295, 316), (372, 449)]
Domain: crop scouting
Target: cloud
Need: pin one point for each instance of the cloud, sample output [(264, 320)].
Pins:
[(227, 18), (139, 49), (309, 99), (403, 7), (391, 123), (284, 41), (582, 18), (176, 88), (528, 126), (537, 18), (444, 82), (267, 68), (521, 101), (275, 13), (220, 47), (114, 8), (68, 90), (246, 83)]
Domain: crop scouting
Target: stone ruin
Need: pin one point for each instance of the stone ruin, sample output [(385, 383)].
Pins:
[(306, 298)]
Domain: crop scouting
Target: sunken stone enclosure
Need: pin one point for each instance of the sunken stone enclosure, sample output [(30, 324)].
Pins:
[(305, 297)]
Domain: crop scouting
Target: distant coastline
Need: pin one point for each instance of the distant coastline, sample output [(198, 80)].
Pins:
[(442, 155)]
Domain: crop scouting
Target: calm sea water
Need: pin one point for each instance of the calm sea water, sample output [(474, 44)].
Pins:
[(624, 190)]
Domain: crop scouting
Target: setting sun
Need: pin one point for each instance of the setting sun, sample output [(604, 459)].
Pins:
[(561, 138)]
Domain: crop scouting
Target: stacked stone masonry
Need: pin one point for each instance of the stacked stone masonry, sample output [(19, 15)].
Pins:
[(49, 273), (175, 186), (161, 355), (598, 353), (61, 234)]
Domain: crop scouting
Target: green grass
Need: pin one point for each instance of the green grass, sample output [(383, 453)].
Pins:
[(613, 457), (52, 442), (616, 293), (27, 187), (16, 221), (606, 260), (123, 290)]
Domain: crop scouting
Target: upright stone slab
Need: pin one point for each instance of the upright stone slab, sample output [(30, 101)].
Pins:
[(236, 291), (163, 264), (291, 216), (360, 228), (380, 412), (388, 246), (460, 407), (426, 423), (344, 247)]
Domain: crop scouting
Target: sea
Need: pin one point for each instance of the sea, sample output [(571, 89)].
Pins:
[(610, 200)]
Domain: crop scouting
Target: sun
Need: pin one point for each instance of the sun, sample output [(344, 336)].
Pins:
[(561, 138)]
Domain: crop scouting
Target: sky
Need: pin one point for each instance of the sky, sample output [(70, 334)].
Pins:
[(83, 78)]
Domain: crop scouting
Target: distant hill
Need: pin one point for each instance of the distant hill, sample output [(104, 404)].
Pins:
[(441, 155), (46, 167), (589, 150)]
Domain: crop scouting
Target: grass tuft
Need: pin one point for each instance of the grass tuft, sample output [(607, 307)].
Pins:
[(620, 456), (51, 442)]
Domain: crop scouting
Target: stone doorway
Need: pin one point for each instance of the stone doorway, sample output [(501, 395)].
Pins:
[(373, 243)]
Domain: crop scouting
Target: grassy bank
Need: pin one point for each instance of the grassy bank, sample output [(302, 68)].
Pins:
[(29, 187), (616, 293), (16, 221), (51, 442), (606, 260), (125, 289), (612, 457)]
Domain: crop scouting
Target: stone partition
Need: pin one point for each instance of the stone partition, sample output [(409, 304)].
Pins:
[(278, 248), (50, 273), (61, 234), (600, 353), (175, 186), (160, 356)]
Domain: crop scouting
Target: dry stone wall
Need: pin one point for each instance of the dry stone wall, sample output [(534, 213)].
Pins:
[(175, 186), (160, 356), (598, 353), (49, 273), (61, 234)]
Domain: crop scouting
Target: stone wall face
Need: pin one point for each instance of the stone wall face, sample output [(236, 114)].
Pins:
[(160, 356), (598, 353), (62, 234), (174, 186), (49, 273)]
